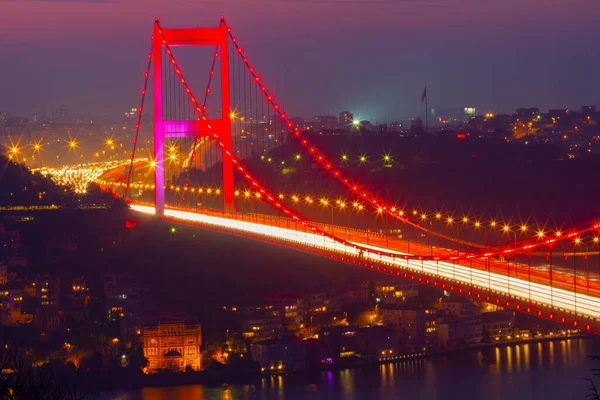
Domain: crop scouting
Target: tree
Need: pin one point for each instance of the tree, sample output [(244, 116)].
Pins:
[(21, 380), (594, 393)]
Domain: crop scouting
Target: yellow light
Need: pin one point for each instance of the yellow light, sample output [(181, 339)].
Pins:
[(324, 201), (247, 193), (172, 148), (449, 220), (577, 241), (297, 156), (344, 157), (540, 234), (363, 159), (295, 199), (355, 205), (153, 164), (423, 216), (72, 144), (596, 239), (37, 146), (438, 216), (506, 228), (232, 115), (342, 204), (523, 228), (465, 220), (109, 142), (379, 210), (281, 195), (415, 212), (257, 194), (237, 192), (493, 224), (14, 150), (172, 156), (477, 224), (558, 233)]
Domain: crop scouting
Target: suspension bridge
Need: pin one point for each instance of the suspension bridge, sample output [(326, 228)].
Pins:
[(212, 151)]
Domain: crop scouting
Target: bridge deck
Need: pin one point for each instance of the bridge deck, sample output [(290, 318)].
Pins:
[(519, 283)]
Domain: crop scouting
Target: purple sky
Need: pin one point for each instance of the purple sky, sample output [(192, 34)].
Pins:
[(370, 56)]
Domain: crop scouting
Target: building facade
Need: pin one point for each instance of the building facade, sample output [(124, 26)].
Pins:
[(173, 345)]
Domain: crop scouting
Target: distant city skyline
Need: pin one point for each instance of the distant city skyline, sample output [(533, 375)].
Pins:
[(372, 59)]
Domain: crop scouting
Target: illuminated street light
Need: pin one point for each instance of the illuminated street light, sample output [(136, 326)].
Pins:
[(37, 146), (524, 228)]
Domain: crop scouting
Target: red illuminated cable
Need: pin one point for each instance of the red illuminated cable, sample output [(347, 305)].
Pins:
[(139, 119), (265, 194), (356, 189), (207, 91)]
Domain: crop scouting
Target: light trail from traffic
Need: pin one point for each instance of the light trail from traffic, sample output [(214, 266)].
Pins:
[(578, 304), (79, 176)]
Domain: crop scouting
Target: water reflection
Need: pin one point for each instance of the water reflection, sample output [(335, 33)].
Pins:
[(523, 371)]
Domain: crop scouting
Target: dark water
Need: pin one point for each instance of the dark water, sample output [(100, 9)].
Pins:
[(549, 370)]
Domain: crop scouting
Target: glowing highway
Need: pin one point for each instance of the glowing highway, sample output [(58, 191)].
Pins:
[(580, 304)]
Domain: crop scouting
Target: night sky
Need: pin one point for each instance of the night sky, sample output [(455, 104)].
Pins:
[(370, 56)]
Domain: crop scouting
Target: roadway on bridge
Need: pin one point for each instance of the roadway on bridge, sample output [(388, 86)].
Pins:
[(494, 276)]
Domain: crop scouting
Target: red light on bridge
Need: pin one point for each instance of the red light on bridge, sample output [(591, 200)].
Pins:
[(131, 223), (461, 136)]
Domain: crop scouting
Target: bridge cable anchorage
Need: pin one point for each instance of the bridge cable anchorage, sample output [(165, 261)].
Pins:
[(273, 200), (355, 187), (139, 120)]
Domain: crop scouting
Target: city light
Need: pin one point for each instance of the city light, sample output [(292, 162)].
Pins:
[(524, 228), (37, 146)]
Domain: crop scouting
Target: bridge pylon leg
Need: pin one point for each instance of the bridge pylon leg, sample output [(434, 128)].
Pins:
[(228, 194), (159, 170)]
